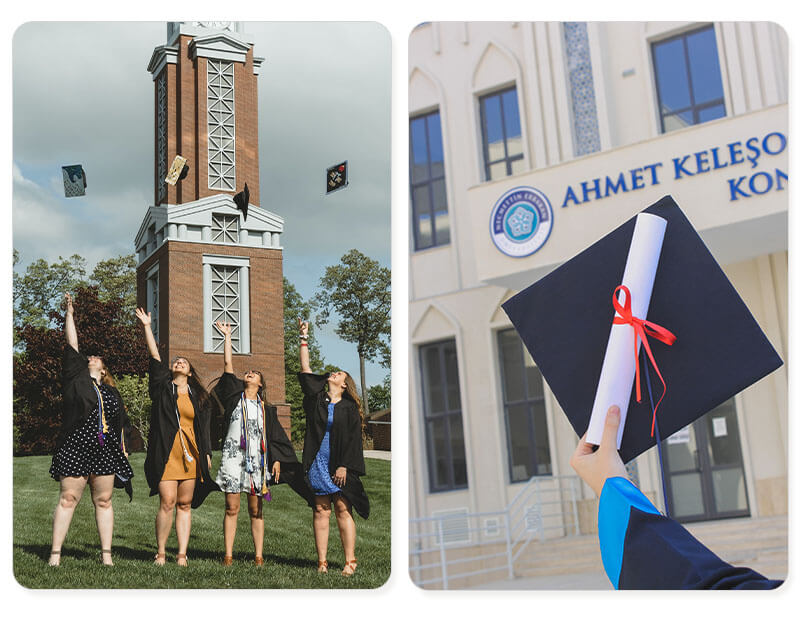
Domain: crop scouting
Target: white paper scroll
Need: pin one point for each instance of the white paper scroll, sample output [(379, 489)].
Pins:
[(619, 366)]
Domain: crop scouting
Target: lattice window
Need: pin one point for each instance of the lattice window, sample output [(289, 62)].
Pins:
[(152, 299), (161, 151), (225, 304), (224, 228), (221, 126)]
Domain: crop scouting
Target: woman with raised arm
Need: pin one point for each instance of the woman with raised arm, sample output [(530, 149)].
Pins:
[(333, 456), (256, 451), (91, 447), (179, 445)]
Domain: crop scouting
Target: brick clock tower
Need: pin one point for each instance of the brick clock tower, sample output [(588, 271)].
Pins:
[(199, 259)]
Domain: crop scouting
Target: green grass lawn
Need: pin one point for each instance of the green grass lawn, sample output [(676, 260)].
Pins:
[(289, 555)]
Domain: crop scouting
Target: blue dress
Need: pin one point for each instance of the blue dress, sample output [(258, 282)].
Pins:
[(318, 474)]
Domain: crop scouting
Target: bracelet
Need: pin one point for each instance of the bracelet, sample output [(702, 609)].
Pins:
[(303, 343), (303, 336)]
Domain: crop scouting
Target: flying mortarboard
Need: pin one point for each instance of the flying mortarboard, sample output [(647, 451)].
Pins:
[(74, 180), (565, 320), (336, 177), (179, 170), (242, 200)]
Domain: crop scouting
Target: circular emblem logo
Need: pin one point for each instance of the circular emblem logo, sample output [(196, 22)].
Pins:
[(521, 221)]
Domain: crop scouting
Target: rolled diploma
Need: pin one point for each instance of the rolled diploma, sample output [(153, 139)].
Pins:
[(619, 367)]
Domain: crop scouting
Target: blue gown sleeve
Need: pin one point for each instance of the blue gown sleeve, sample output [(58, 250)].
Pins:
[(642, 549)]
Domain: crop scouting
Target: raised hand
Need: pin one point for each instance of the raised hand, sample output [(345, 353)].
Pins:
[(143, 316), (303, 327), (68, 303), (224, 327)]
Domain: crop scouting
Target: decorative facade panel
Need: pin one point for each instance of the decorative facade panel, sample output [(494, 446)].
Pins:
[(221, 126), (581, 88), (161, 137)]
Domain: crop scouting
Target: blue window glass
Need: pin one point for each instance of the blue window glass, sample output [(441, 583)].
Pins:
[(444, 432), (527, 438), (502, 134), (428, 197), (688, 79)]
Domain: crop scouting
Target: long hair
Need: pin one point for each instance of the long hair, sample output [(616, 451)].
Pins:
[(352, 393), (107, 378), (262, 389), (199, 392)]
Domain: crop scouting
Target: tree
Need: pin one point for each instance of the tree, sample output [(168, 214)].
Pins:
[(380, 396), (37, 371), (135, 394), (295, 306), (359, 291), (116, 278), (42, 287)]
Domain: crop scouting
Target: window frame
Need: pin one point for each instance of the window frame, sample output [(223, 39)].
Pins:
[(221, 125), (528, 401), (427, 183), (445, 417), (152, 299), (695, 108), (210, 342), (507, 159)]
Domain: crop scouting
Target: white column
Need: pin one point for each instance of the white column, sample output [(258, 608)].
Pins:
[(207, 342), (172, 231)]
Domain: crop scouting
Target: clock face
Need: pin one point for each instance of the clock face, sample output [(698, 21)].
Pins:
[(219, 26)]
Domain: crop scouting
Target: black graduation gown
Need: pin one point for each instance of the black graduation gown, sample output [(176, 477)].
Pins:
[(642, 549), (164, 428), (345, 439), (228, 391), (79, 399)]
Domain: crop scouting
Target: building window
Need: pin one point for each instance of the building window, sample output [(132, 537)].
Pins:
[(524, 411), (444, 432), (221, 126), (161, 151), (688, 79), (226, 297), (224, 228), (152, 299), (502, 134), (428, 196)]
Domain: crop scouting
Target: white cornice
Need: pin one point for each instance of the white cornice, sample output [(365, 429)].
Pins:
[(162, 55), (219, 45)]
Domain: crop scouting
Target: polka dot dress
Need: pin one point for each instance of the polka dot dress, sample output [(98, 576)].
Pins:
[(82, 454)]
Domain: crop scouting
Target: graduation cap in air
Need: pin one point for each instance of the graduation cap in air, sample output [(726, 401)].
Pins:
[(565, 321), (242, 200), (336, 177), (177, 171), (74, 180)]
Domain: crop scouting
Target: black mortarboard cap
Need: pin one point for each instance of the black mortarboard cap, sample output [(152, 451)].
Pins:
[(242, 200), (74, 180), (564, 320)]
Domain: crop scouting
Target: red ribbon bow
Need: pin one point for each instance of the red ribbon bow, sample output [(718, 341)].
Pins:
[(642, 328)]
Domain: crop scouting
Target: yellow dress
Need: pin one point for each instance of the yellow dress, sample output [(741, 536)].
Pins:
[(177, 468)]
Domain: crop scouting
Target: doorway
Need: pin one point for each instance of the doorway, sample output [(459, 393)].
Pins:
[(704, 471)]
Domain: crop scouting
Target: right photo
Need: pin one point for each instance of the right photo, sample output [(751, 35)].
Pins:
[(598, 316)]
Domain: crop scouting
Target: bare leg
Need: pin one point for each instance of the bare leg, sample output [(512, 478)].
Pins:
[(68, 498), (232, 501), (347, 530), (102, 487), (254, 508), (322, 517), (168, 495), (183, 517)]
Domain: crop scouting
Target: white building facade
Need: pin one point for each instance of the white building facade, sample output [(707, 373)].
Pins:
[(603, 119)]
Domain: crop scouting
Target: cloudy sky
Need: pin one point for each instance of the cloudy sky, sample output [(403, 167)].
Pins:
[(82, 95)]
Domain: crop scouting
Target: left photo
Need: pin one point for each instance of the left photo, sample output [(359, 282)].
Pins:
[(201, 305)]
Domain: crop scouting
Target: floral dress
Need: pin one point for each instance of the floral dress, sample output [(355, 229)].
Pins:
[(240, 469)]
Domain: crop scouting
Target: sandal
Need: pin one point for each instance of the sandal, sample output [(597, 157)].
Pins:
[(322, 566), (349, 567), (259, 561), (179, 557), (108, 551), (227, 561), (160, 559), (50, 560)]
